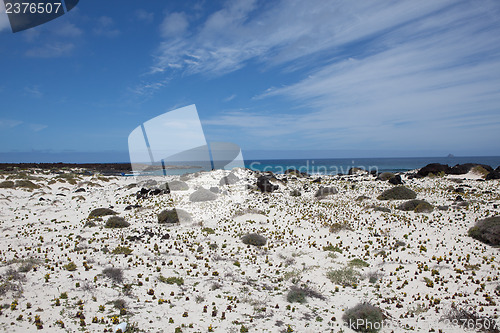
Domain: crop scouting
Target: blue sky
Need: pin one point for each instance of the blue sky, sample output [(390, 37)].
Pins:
[(352, 78)]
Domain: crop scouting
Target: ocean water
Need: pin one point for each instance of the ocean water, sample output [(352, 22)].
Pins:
[(342, 165)]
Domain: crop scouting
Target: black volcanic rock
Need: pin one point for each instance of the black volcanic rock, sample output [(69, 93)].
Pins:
[(462, 169), (433, 168), (265, 185), (495, 174), (396, 180)]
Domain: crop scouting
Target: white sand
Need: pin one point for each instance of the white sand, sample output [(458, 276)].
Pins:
[(253, 293)]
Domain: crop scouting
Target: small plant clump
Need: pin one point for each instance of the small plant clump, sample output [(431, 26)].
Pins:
[(115, 274), (300, 294), (346, 276), (116, 222), (71, 266), (122, 250), (171, 280)]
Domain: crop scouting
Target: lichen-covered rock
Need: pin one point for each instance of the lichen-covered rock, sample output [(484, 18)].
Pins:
[(398, 193)]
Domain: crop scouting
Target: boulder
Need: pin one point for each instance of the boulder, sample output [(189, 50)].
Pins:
[(229, 180), (201, 195), (172, 216), (98, 212), (265, 185), (177, 185), (214, 189), (295, 193), (384, 176), (382, 209), (295, 172), (434, 168), (356, 171), (462, 169), (495, 174), (396, 180), (397, 193), (254, 239), (324, 191)]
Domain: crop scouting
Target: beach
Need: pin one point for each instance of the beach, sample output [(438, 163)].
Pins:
[(253, 252)]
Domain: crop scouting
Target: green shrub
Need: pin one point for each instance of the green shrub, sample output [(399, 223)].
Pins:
[(101, 212), (115, 274), (122, 250), (398, 193), (358, 263), (364, 317), (171, 280), (346, 276), (418, 206), (254, 239), (71, 266), (333, 248), (7, 184), (209, 231), (26, 184), (116, 222), (300, 294), (487, 230)]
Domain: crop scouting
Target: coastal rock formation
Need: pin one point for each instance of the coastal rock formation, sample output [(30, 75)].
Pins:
[(434, 168), (462, 169)]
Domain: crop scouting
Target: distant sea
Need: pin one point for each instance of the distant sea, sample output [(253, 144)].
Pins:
[(333, 166)]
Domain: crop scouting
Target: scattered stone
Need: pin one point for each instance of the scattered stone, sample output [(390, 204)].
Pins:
[(317, 180), (295, 193), (129, 207), (384, 176), (81, 189), (361, 198), (382, 209), (356, 171)]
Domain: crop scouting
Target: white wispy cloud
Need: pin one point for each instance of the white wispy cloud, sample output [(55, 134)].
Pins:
[(33, 91), (174, 25), (386, 74), (105, 26), (145, 16)]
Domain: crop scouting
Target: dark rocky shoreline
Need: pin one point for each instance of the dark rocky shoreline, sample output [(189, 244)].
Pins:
[(103, 168)]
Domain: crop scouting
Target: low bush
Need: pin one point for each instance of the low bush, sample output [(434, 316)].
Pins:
[(7, 184), (116, 222), (122, 250), (300, 294), (418, 206), (115, 274), (26, 184), (98, 212), (487, 230), (358, 263), (464, 318), (254, 239), (171, 280), (364, 317), (398, 193), (346, 276)]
